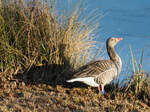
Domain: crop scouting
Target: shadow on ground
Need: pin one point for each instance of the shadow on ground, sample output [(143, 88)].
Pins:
[(48, 74)]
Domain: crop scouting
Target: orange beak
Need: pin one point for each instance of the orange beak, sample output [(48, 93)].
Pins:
[(118, 39)]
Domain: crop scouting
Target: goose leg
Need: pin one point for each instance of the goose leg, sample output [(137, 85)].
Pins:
[(101, 89)]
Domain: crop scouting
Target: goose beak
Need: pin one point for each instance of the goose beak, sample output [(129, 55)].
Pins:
[(118, 39)]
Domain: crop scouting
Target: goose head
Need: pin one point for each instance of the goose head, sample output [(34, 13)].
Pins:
[(112, 41)]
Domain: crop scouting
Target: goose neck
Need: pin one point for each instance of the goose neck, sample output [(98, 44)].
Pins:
[(112, 54)]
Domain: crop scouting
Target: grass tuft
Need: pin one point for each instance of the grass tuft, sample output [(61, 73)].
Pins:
[(138, 73), (32, 33)]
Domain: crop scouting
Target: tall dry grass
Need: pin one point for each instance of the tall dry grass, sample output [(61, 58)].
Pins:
[(32, 33)]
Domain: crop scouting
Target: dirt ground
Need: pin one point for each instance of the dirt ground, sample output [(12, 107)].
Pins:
[(17, 96)]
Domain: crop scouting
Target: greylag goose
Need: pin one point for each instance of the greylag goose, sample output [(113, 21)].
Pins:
[(101, 72)]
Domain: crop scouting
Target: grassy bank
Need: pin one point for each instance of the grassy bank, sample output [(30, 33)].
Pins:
[(39, 49)]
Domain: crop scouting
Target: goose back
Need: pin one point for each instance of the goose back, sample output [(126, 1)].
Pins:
[(96, 68)]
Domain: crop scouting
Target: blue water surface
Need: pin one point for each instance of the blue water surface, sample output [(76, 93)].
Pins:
[(129, 19)]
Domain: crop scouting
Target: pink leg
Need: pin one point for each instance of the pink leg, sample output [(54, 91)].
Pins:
[(99, 88)]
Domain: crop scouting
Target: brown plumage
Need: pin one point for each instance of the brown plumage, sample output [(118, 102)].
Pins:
[(94, 68)]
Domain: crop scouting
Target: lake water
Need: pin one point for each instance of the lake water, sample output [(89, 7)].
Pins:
[(129, 19)]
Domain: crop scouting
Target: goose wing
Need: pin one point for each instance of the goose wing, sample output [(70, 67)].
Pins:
[(95, 69)]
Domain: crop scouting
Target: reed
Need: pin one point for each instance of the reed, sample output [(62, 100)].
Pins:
[(138, 72)]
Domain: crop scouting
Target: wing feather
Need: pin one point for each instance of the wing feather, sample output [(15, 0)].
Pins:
[(94, 68)]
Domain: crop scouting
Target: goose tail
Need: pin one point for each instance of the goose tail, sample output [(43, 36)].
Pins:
[(71, 80)]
